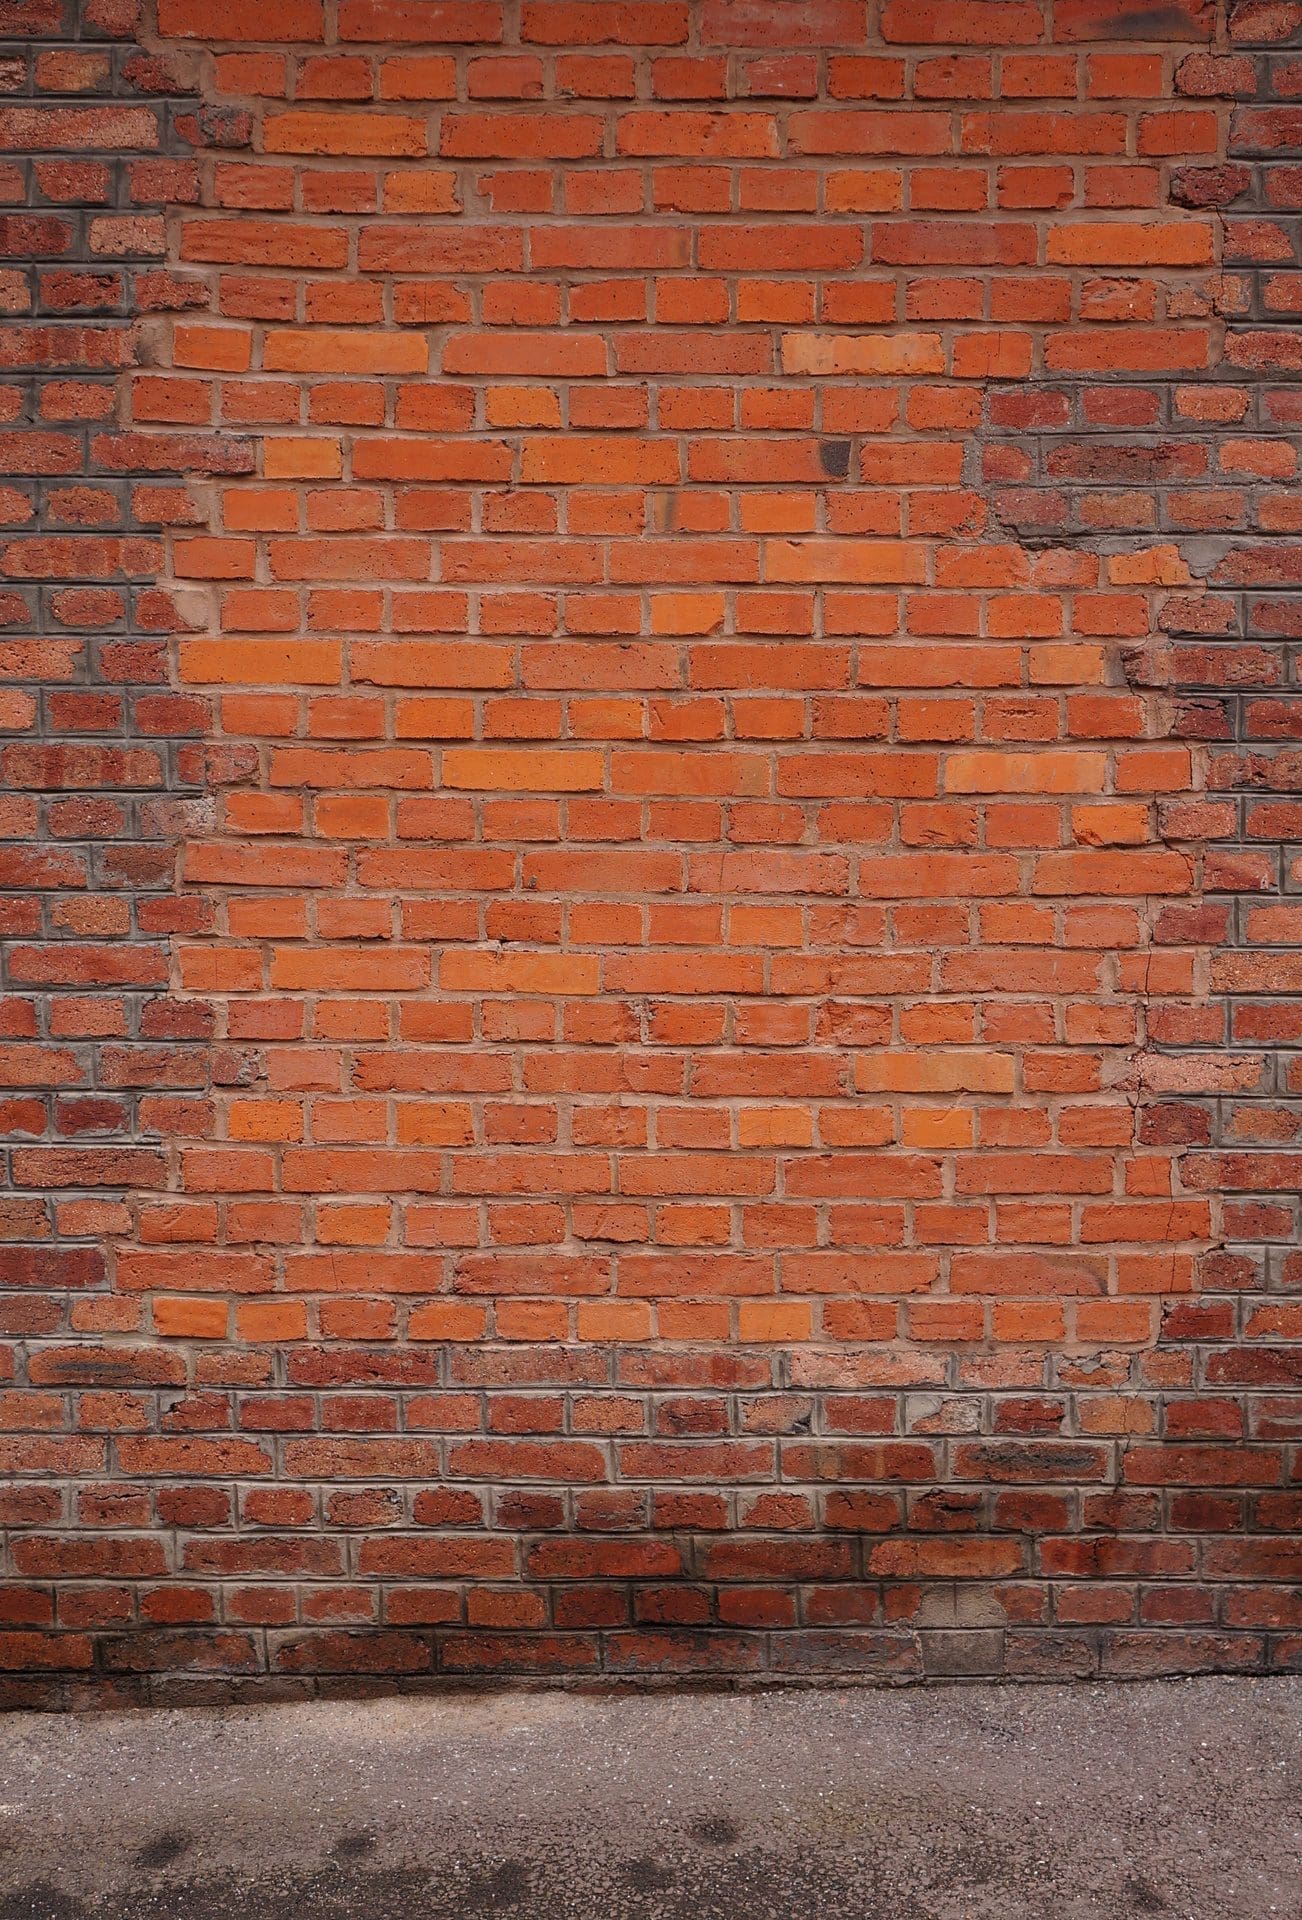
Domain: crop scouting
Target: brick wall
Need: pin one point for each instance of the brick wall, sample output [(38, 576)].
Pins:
[(650, 1015)]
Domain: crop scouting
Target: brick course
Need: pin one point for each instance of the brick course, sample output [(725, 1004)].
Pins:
[(649, 672)]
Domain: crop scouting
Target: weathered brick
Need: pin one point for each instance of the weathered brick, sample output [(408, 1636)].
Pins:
[(649, 913)]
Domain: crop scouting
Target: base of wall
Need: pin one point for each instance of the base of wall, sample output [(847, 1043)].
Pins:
[(371, 1664)]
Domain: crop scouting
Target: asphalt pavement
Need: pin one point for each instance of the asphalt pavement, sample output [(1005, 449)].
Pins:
[(1177, 1798)]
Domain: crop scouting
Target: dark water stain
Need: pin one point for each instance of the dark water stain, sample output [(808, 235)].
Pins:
[(40, 1901), (164, 1850), (566, 1881), (717, 1830), (646, 1875), (499, 1889), (1143, 1898), (354, 1846)]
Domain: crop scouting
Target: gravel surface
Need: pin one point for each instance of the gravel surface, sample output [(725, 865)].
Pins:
[(1177, 1798)]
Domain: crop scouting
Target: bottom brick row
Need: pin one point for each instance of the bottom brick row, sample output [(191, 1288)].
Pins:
[(78, 1671)]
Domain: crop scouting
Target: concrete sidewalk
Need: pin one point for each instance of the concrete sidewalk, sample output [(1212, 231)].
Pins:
[(1034, 1803)]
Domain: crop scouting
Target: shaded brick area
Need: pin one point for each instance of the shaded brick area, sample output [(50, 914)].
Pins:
[(650, 975), (1232, 663), (99, 751)]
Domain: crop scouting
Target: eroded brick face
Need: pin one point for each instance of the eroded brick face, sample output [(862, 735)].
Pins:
[(650, 1014)]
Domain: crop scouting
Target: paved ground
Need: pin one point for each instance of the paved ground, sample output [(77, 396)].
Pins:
[(1035, 1803)]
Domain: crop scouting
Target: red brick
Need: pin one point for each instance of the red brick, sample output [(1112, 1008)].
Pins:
[(643, 991)]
